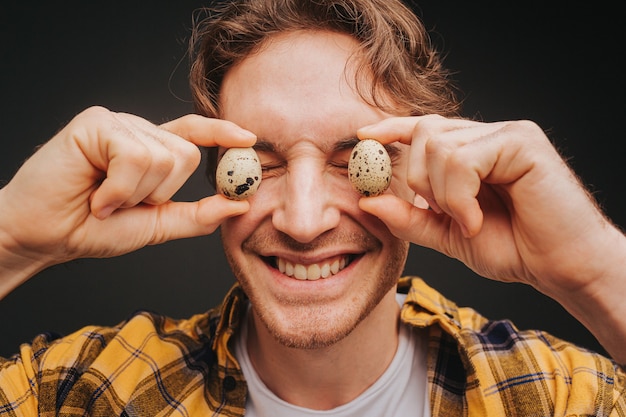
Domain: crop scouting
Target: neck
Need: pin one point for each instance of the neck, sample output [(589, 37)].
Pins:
[(331, 376)]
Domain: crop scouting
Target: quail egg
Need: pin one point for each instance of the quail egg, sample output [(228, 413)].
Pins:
[(369, 168), (238, 173)]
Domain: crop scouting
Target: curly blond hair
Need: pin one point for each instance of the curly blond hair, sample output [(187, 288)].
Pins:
[(395, 50)]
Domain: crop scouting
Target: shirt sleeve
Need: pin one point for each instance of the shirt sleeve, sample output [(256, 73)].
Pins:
[(19, 389)]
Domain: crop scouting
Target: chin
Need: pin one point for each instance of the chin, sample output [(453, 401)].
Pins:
[(316, 314), (311, 326)]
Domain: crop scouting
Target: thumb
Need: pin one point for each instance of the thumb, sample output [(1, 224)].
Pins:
[(417, 225), (178, 220)]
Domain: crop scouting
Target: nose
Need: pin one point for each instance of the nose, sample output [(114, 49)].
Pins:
[(308, 204)]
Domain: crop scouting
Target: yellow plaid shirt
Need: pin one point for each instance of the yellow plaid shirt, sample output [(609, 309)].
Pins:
[(156, 366)]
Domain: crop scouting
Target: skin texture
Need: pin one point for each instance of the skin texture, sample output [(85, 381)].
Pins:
[(58, 206), (102, 186), (306, 212), (478, 188)]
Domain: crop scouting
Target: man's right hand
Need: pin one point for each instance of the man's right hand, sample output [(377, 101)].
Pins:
[(102, 186)]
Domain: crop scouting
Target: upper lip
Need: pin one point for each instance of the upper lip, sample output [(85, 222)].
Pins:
[(309, 259)]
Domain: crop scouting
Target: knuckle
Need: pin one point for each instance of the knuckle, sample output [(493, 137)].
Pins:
[(156, 199), (95, 111), (140, 158), (120, 190), (525, 129), (91, 116), (435, 145), (433, 117), (429, 123), (419, 183), (188, 153), (456, 161), (528, 125), (163, 164)]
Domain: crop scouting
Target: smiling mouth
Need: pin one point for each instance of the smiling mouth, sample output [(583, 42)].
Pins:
[(311, 272)]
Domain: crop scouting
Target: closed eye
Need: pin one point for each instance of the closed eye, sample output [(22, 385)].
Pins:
[(272, 164), (270, 170), (339, 161)]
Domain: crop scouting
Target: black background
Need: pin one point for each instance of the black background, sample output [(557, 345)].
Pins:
[(556, 64)]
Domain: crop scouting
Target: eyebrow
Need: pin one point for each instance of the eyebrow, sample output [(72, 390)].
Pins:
[(349, 143), (263, 145)]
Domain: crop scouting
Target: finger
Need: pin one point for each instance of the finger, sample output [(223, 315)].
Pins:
[(410, 223), (404, 129), (133, 228), (419, 132), (178, 220), (127, 165), (458, 182), (391, 130), (205, 131), (174, 159), (439, 170), (449, 176), (139, 161), (458, 163)]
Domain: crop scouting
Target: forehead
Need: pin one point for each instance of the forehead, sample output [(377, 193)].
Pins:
[(300, 85)]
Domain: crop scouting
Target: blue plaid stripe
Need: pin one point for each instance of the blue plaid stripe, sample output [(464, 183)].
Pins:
[(152, 365)]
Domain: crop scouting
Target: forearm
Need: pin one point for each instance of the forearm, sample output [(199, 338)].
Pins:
[(15, 267), (17, 263), (601, 305)]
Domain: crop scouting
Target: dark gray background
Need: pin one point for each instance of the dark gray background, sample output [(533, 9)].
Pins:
[(554, 64)]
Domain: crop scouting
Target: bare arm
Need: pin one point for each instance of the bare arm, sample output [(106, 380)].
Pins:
[(507, 205), (102, 186)]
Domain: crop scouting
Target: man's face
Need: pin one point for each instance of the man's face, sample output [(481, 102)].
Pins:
[(313, 264)]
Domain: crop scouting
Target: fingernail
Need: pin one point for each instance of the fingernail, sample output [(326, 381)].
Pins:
[(105, 212), (363, 129), (433, 205), (246, 134), (465, 231)]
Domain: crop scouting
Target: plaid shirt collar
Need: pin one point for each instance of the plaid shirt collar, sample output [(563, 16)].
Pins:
[(465, 348)]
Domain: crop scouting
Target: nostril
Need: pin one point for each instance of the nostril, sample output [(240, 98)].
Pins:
[(307, 205)]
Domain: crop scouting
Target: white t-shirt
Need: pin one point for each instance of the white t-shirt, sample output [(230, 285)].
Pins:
[(402, 390)]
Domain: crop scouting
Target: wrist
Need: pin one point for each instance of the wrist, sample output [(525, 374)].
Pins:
[(600, 304), (16, 264)]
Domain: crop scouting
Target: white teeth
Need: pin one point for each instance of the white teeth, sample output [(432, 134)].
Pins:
[(312, 272), (299, 271), (325, 271)]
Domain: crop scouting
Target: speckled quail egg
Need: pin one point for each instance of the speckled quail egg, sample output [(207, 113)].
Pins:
[(369, 168), (238, 173)]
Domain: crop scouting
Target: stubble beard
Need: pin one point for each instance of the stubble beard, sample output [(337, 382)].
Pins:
[(313, 325)]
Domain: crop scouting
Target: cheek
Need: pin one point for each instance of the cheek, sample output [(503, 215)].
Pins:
[(272, 196), (377, 228), (235, 230), (232, 233)]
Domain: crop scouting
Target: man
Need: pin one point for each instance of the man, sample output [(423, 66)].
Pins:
[(496, 196)]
